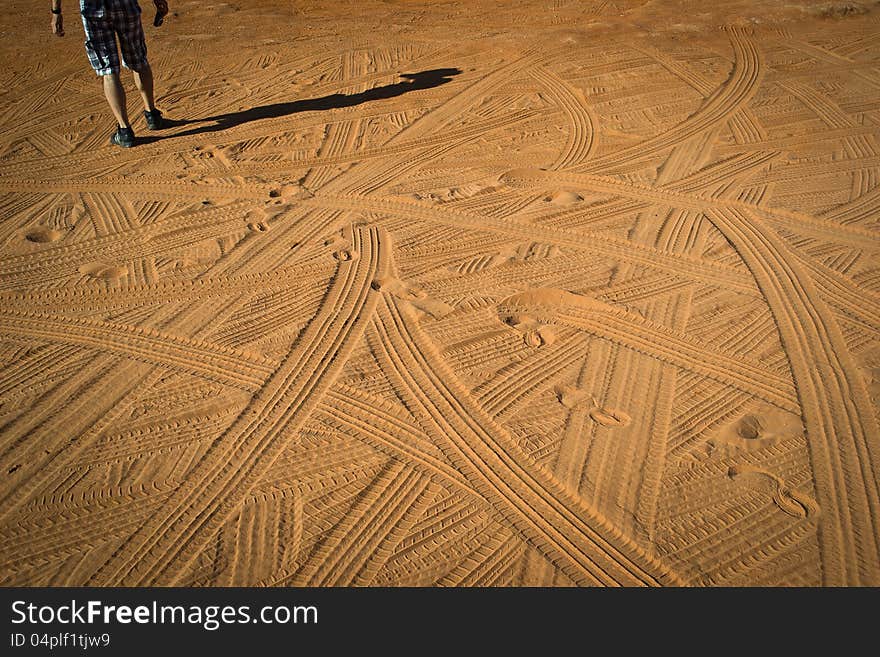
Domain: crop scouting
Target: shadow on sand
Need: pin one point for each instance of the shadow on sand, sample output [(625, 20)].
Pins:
[(411, 82)]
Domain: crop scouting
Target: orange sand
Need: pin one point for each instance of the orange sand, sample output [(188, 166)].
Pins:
[(556, 293)]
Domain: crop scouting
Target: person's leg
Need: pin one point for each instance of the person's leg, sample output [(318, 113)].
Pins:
[(104, 59), (115, 93), (134, 55), (143, 79)]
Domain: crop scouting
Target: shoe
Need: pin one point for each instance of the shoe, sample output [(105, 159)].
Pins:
[(123, 137), (154, 119)]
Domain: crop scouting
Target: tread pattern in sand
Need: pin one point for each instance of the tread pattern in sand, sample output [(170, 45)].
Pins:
[(577, 296)]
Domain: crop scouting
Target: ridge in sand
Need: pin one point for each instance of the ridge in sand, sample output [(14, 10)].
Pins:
[(458, 294)]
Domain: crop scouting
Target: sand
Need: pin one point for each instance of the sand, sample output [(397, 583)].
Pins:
[(449, 293)]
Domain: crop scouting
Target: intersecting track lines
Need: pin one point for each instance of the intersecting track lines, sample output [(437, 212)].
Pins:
[(675, 264), (382, 445), (575, 537), (61, 261), (653, 340), (162, 549), (228, 366), (740, 87), (581, 131), (842, 430)]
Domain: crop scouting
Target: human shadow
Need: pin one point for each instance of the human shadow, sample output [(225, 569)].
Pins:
[(411, 82)]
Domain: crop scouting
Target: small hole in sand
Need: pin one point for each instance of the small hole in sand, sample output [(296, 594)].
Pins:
[(14, 468), (749, 427), (42, 235)]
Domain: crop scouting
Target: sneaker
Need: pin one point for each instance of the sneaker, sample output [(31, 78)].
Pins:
[(154, 119), (123, 137)]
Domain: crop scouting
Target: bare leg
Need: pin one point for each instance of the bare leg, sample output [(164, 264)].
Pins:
[(115, 93), (143, 79)]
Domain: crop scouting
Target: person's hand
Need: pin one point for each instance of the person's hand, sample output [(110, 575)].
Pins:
[(58, 24), (161, 12)]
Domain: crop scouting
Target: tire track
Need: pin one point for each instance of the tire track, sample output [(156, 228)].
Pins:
[(528, 497), (349, 545), (843, 293), (581, 131), (367, 181), (842, 432), (171, 189), (161, 551), (37, 364), (513, 387), (376, 422), (27, 544), (859, 210), (846, 64), (84, 299), (462, 134), (827, 230), (839, 291), (341, 138), (256, 538), (740, 88), (489, 564), (223, 365), (653, 340), (677, 265), (802, 171), (62, 424), (152, 240)]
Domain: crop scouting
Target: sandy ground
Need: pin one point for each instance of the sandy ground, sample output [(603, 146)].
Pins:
[(556, 293)]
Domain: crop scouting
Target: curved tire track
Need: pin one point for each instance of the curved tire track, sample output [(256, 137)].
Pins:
[(160, 552), (842, 431), (741, 86), (530, 498)]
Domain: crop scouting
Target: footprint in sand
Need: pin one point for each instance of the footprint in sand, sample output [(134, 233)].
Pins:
[(571, 397), (749, 427), (608, 417), (337, 241), (792, 502), (101, 270), (543, 335), (345, 255), (42, 234), (261, 218), (342, 250), (416, 296), (755, 430), (563, 198), (535, 334), (287, 192), (275, 210)]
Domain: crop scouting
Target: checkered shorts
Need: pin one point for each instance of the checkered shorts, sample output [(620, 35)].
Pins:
[(104, 21)]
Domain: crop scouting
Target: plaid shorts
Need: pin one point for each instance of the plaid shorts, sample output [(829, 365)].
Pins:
[(104, 21)]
